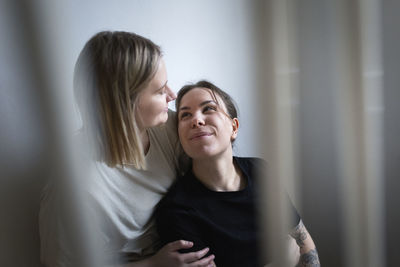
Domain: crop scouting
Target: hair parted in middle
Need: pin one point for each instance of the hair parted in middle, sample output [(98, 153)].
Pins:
[(226, 98), (111, 71)]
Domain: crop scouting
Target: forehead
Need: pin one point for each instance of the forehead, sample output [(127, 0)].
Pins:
[(198, 95), (161, 73)]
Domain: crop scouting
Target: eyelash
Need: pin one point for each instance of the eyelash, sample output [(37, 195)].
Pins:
[(205, 109), (184, 114)]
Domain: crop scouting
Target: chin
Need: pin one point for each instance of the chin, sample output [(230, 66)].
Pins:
[(162, 120), (201, 155)]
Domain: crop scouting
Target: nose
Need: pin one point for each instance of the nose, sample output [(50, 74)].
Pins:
[(170, 94), (197, 121)]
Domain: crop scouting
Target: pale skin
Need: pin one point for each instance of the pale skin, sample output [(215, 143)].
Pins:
[(301, 248), (211, 153), (152, 111), (169, 256), (308, 251), (206, 132)]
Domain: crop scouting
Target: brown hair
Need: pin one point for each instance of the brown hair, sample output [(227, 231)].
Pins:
[(111, 71), (228, 101)]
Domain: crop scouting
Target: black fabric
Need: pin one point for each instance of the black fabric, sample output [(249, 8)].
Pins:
[(223, 221)]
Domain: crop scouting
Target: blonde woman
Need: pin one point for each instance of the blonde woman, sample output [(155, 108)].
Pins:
[(121, 86)]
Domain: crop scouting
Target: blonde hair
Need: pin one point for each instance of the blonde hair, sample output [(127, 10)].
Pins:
[(111, 71)]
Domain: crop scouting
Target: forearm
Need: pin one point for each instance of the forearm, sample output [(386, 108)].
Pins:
[(308, 251), (309, 259)]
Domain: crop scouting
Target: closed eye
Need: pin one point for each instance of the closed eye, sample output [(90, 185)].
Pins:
[(162, 91)]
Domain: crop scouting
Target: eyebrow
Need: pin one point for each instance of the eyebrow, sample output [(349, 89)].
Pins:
[(201, 104)]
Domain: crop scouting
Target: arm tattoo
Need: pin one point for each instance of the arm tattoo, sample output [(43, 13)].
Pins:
[(299, 233), (309, 259)]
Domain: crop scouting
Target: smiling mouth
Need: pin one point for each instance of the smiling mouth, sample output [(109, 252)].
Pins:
[(199, 135)]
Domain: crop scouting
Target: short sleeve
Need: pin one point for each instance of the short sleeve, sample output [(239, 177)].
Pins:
[(295, 217)]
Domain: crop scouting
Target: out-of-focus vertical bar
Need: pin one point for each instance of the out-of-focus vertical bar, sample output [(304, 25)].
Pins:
[(359, 82), (372, 93), (280, 144), (59, 159), (349, 165)]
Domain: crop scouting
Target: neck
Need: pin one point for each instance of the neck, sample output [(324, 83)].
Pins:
[(219, 174), (144, 137)]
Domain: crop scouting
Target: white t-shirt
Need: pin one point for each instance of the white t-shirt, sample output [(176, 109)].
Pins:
[(120, 201)]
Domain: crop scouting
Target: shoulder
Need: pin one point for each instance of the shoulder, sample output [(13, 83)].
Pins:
[(172, 119), (254, 168), (251, 163), (250, 160)]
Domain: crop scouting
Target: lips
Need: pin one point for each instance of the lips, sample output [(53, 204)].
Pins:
[(199, 135)]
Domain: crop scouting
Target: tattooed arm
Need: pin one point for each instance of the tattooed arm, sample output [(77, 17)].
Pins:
[(308, 251)]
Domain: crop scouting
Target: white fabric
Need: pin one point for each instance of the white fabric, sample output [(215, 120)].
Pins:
[(121, 201)]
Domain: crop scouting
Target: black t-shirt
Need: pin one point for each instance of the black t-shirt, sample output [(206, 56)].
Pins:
[(226, 222)]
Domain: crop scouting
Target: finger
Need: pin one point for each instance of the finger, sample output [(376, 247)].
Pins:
[(179, 244), (205, 262), (194, 256)]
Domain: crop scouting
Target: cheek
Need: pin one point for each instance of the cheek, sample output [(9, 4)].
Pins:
[(155, 107), (225, 130), (183, 134), (143, 104), (180, 132)]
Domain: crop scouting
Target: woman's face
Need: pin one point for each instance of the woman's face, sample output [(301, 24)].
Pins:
[(204, 130), (152, 108)]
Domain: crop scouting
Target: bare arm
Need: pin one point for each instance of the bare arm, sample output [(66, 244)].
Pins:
[(169, 256), (308, 251)]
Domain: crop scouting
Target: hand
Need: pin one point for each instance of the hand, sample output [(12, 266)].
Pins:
[(169, 256)]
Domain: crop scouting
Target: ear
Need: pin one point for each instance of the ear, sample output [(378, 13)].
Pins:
[(235, 128)]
